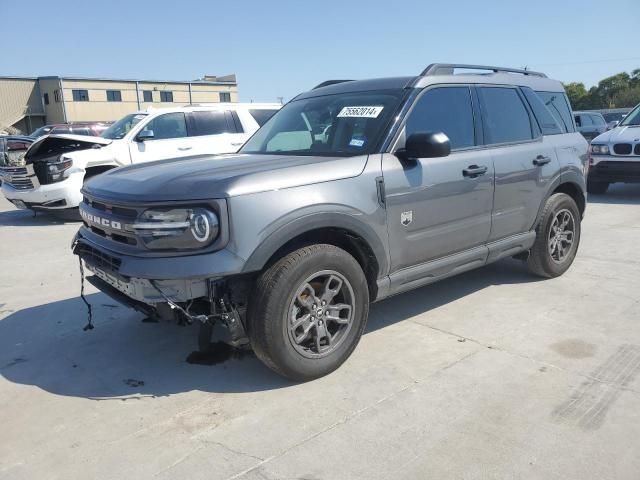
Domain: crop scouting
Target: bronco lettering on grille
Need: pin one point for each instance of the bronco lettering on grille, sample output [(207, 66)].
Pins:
[(103, 222)]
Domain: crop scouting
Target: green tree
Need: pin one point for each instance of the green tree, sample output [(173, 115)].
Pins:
[(612, 86), (576, 93)]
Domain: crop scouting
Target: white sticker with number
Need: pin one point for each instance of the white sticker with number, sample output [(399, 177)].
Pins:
[(360, 112)]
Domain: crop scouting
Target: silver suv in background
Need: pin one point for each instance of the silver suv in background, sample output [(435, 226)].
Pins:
[(615, 155), (590, 124), (354, 191)]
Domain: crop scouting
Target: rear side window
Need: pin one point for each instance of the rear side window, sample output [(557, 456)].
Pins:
[(505, 116), (598, 120), (558, 105), (447, 110), (210, 123), (546, 121), (262, 115)]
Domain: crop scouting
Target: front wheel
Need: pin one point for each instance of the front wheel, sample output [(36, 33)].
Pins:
[(309, 312), (557, 237)]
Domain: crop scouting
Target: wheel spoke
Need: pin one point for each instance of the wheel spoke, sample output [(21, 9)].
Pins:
[(331, 288), (299, 321), (305, 333), (333, 313)]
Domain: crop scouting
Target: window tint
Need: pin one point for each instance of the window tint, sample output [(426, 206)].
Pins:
[(46, 98), (147, 96), (169, 125), (585, 120), (166, 96), (546, 121), (225, 97), (445, 110), (262, 115), (558, 105), (80, 95), (505, 117), (114, 96), (209, 123), (598, 120)]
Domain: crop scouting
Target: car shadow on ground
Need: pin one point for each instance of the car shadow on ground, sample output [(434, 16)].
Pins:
[(619, 193), (26, 218), (122, 356)]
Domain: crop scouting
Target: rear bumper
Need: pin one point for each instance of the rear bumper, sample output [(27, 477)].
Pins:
[(613, 169), (55, 196)]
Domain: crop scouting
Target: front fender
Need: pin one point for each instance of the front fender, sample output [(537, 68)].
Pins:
[(313, 219)]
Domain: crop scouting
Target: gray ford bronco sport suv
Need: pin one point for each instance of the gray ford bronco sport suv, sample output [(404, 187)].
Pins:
[(354, 191)]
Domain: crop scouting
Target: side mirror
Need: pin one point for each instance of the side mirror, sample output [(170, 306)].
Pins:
[(145, 135), (425, 145)]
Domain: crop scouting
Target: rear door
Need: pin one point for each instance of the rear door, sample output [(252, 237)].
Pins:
[(434, 206), (524, 160), (214, 132), (169, 140)]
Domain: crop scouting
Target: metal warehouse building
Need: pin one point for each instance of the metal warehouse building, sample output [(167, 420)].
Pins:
[(27, 103)]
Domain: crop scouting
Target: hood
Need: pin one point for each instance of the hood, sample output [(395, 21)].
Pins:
[(205, 177), (82, 138), (629, 134)]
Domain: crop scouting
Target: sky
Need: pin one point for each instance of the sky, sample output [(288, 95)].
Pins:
[(280, 48)]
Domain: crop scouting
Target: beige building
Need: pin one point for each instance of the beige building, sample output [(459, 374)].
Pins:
[(27, 103)]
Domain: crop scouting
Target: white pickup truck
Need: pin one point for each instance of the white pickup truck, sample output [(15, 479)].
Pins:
[(56, 166)]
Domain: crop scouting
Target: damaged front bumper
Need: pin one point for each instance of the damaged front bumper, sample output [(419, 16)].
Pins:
[(149, 279)]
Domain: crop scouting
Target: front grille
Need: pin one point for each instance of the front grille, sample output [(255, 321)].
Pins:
[(113, 209), (19, 178), (636, 150), (622, 148), (97, 258), (40, 169)]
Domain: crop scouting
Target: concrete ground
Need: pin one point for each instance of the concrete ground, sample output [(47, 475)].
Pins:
[(493, 374)]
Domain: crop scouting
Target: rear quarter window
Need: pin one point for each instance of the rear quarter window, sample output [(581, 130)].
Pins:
[(546, 121), (558, 105)]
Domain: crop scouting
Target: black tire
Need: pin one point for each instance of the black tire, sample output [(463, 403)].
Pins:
[(278, 290), (597, 188), (541, 260)]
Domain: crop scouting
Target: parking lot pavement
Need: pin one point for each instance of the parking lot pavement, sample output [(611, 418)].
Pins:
[(492, 374)]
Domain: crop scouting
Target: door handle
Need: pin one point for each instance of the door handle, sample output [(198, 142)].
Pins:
[(473, 171), (541, 160), (183, 149)]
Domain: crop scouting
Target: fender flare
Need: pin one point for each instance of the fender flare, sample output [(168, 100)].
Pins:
[(313, 221), (570, 177)]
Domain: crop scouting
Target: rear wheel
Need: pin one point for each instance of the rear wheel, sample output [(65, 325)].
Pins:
[(597, 188), (309, 312), (557, 237)]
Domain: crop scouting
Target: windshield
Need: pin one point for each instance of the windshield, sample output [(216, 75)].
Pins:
[(344, 124), (633, 119), (119, 129)]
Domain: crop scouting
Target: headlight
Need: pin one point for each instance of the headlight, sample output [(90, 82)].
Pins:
[(177, 229), (599, 149), (55, 170)]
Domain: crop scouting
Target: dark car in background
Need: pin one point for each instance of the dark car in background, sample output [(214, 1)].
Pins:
[(92, 129), (590, 124)]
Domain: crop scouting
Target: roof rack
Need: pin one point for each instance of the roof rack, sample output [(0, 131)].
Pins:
[(326, 83), (448, 68)]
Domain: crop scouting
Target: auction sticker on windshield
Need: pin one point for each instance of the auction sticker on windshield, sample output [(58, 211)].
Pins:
[(360, 112)]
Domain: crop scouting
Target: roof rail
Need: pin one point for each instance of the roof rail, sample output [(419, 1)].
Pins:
[(448, 68), (326, 83)]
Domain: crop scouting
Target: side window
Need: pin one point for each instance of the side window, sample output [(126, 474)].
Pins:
[(598, 120), (505, 117), (448, 110), (147, 96), (207, 123), (558, 105), (546, 121), (169, 125), (585, 120)]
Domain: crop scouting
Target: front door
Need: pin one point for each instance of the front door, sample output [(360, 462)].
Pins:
[(169, 139), (439, 206)]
